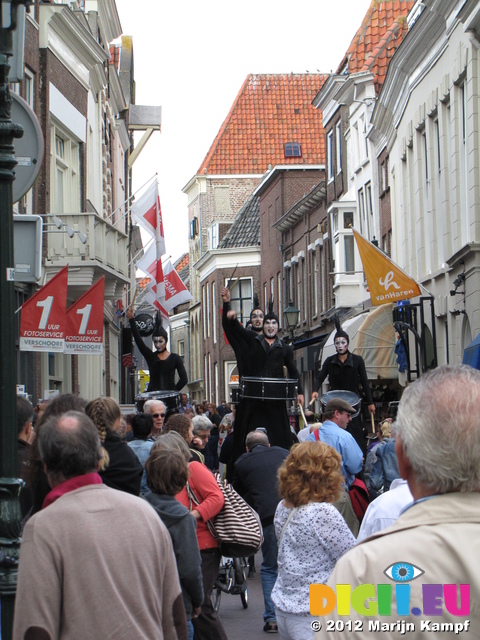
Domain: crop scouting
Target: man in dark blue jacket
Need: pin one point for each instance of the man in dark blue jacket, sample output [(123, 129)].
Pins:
[(255, 478)]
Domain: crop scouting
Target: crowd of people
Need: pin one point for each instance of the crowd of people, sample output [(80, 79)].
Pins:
[(103, 492)]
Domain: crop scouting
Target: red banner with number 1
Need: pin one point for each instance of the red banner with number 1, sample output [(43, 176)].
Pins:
[(43, 316), (85, 322)]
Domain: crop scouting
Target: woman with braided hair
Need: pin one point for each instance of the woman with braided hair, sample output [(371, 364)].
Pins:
[(124, 470)]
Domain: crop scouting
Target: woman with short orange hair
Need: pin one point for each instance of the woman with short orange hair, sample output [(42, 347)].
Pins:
[(311, 533)]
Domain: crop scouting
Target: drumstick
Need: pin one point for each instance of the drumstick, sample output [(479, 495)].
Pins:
[(134, 297), (311, 402), (231, 278), (303, 415), (373, 423)]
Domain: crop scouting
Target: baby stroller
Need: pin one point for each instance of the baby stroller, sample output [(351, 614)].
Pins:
[(232, 578)]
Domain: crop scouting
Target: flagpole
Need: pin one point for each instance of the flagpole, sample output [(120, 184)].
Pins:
[(130, 197)]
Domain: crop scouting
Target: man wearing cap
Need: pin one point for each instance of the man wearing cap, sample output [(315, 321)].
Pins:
[(333, 432), (345, 371)]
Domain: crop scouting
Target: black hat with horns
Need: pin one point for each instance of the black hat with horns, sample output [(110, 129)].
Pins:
[(159, 331), (256, 305), (271, 315), (340, 332)]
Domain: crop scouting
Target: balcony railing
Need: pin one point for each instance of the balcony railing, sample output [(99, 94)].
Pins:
[(104, 253)]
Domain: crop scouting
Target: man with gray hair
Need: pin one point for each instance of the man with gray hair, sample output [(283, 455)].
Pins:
[(255, 478), (90, 548), (427, 562)]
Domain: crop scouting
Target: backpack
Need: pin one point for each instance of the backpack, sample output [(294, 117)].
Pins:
[(359, 497), (358, 493)]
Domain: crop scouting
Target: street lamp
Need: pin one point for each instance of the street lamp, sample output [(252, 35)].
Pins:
[(10, 519), (291, 314)]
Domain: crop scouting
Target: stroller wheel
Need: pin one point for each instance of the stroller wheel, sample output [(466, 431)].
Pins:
[(244, 597), (216, 597)]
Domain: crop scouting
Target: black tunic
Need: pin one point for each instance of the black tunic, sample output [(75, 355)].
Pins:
[(162, 372), (259, 359), (345, 375)]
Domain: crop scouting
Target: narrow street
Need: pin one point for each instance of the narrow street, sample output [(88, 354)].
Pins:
[(240, 623)]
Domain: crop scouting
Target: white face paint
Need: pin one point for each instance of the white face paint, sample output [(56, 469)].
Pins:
[(159, 343), (341, 345), (256, 319), (270, 328)]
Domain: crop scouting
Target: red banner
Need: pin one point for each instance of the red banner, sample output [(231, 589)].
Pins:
[(84, 333), (43, 316)]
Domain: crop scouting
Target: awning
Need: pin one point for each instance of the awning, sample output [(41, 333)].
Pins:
[(372, 336), (471, 355)]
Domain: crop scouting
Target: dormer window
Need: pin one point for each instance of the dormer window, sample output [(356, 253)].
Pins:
[(293, 150)]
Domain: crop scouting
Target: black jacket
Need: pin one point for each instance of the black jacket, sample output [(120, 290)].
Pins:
[(162, 372), (255, 479), (345, 375)]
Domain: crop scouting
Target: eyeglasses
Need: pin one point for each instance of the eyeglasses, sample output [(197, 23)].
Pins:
[(158, 415)]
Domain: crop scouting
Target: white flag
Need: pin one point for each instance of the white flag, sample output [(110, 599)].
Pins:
[(175, 291), (148, 213), (151, 264)]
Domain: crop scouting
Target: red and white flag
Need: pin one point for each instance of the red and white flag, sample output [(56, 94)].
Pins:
[(175, 291), (148, 213), (151, 297), (151, 264), (43, 316), (84, 332)]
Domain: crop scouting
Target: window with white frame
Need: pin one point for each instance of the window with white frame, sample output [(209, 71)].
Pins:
[(330, 159), (214, 307), (314, 280), (369, 209), (204, 307), (181, 348), (213, 236), (65, 171), (208, 308), (361, 209), (241, 299), (338, 146)]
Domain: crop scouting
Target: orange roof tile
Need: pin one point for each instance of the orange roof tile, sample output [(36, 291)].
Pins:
[(182, 263), (379, 36), (269, 111)]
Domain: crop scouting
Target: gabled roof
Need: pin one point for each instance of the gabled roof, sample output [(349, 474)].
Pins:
[(245, 229), (379, 36), (181, 266), (269, 110)]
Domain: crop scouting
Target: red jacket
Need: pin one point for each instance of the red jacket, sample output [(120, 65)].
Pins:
[(205, 487)]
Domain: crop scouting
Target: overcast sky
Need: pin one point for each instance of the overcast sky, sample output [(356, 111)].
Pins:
[(192, 58)]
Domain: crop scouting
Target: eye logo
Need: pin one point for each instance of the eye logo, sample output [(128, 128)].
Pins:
[(403, 572)]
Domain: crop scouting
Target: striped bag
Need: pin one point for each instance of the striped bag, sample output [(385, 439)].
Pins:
[(237, 526)]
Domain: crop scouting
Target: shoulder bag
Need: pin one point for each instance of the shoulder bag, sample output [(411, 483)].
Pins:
[(237, 526)]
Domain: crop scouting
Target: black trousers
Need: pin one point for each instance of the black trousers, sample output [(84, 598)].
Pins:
[(208, 625)]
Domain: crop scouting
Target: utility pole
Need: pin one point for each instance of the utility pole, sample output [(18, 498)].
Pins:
[(10, 485)]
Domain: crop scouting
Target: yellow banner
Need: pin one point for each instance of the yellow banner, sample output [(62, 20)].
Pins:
[(386, 281)]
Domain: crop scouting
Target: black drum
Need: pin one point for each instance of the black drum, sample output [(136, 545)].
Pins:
[(350, 397), (171, 399), (269, 388), (235, 395)]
